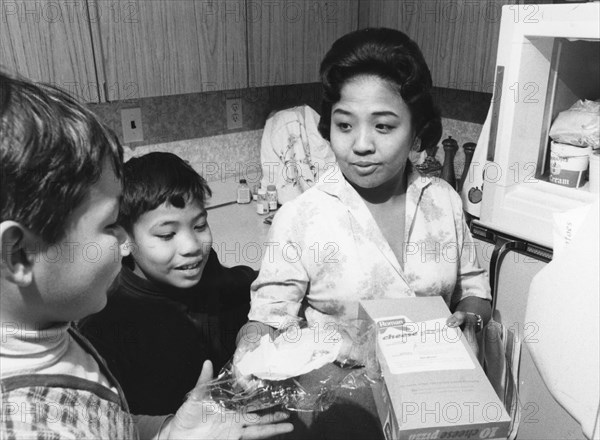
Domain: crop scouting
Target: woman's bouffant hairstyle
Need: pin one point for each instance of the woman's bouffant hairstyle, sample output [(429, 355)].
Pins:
[(52, 149), (392, 56), (156, 178)]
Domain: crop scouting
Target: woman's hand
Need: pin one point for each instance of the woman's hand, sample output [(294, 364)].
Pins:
[(248, 339), (350, 353), (456, 319), (358, 346), (467, 309), (202, 417), (459, 318)]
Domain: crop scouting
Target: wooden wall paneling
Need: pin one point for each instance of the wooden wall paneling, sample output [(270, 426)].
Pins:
[(222, 43), (144, 50), (49, 41), (288, 39), (459, 39), (116, 45), (475, 45), (168, 47)]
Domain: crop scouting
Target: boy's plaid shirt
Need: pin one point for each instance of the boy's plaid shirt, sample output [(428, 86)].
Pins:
[(51, 411), (49, 407)]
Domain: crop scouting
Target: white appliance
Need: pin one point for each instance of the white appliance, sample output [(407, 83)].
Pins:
[(548, 58)]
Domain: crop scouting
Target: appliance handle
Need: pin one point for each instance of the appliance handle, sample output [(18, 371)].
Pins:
[(496, 98), (503, 244)]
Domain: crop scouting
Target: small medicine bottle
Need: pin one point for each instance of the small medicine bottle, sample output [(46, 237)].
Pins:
[(243, 192), (272, 197), (262, 205)]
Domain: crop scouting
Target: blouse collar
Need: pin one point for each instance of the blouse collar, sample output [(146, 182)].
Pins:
[(337, 186)]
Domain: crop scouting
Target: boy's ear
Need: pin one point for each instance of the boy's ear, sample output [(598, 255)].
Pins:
[(128, 246), (17, 261)]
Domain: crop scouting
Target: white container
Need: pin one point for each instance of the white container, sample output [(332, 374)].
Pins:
[(262, 205), (272, 197), (568, 164), (595, 172)]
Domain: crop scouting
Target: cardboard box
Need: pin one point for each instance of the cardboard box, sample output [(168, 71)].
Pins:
[(434, 387)]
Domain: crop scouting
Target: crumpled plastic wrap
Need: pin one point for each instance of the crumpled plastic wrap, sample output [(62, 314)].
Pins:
[(250, 393), (258, 394), (579, 125)]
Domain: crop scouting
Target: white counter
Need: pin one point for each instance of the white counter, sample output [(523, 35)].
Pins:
[(239, 234)]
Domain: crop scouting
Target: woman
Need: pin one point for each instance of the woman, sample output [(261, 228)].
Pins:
[(373, 227)]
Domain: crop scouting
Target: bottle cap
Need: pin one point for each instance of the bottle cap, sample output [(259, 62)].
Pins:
[(271, 188)]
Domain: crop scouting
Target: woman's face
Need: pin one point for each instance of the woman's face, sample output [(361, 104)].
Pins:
[(371, 132)]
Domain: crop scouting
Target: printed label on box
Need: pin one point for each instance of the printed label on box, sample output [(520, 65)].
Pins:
[(411, 347)]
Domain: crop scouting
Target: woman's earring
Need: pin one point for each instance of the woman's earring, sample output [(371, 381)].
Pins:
[(417, 144)]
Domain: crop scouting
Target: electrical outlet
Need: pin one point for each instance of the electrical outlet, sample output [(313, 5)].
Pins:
[(234, 113), (131, 120)]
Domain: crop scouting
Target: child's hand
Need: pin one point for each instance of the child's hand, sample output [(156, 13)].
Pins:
[(201, 417)]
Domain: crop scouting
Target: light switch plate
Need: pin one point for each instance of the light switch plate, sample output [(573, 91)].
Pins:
[(234, 113), (131, 120)]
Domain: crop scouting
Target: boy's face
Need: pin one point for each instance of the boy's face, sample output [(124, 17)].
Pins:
[(172, 245), (73, 276)]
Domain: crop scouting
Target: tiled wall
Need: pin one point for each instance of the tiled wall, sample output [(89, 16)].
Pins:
[(194, 125)]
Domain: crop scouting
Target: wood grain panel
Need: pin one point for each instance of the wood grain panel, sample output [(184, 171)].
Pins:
[(168, 47), (458, 38), (222, 43), (288, 39), (49, 41)]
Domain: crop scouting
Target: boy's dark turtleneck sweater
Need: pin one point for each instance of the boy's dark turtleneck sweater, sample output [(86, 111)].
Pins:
[(155, 338)]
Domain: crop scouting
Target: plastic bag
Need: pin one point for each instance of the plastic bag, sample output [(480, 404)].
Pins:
[(258, 394), (235, 391), (579, 125)]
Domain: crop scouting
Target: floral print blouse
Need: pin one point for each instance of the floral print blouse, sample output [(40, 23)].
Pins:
[(326, 253)]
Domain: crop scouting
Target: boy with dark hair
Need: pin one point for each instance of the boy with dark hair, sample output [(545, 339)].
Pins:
[(173, 305), (59, 197)]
